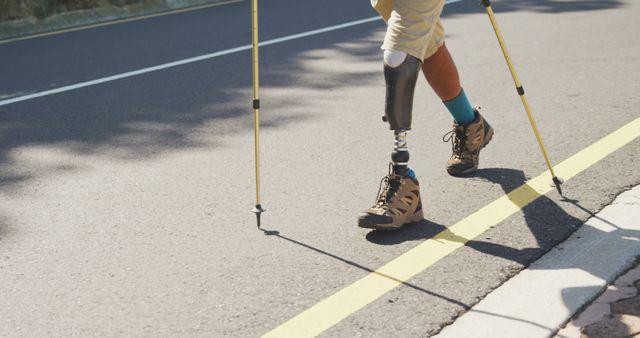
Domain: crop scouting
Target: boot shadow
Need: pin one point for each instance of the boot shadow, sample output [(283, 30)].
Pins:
[(422, 230)]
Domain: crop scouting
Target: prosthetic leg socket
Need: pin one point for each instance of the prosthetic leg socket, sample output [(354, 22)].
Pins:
[(400, 83)]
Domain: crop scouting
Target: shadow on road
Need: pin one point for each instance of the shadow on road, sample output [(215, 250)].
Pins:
[(547, 221), (277, 234), (418, 231), (191, 106)]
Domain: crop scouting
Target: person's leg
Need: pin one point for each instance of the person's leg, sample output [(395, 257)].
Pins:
[(442, 75), (471, 132)]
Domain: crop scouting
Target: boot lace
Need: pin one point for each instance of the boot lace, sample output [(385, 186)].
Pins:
[(458, 139), (389, 185)]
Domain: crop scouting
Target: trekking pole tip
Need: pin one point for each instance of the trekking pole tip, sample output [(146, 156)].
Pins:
[(557, 182), (258, 210)]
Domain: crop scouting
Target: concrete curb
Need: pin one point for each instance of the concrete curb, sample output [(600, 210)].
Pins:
[(542, 298)]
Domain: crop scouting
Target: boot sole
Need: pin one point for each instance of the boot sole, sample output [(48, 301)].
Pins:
[(416, 218)]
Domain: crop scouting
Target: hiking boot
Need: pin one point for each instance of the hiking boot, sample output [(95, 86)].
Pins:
[(466, 142), (398, 204)]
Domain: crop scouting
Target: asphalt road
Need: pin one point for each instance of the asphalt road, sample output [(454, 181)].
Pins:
[(124, 206)]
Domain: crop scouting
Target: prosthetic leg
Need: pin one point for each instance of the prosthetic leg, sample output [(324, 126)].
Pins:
[(398, 202), (401, 82)]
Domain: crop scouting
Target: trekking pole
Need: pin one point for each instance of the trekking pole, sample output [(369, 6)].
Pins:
[(557, 181), (258, 210)]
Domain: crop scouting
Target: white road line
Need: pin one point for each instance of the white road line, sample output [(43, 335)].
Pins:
[(182, 62), (190, 60)]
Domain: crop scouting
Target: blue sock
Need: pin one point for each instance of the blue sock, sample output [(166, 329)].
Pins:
[(460, 108), (411, 174)]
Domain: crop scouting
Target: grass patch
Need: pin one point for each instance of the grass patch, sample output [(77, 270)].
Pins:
[(25, 17), (41, 9)]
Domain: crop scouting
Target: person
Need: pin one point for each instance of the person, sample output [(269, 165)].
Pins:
[(414, 42)]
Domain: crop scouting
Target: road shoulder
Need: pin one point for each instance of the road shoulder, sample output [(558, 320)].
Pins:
[(542, 298)]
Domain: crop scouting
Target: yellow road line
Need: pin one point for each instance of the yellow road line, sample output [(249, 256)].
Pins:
[(354, 297), (119, 21)]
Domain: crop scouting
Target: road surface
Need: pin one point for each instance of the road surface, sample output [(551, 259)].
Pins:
[(124, 204)]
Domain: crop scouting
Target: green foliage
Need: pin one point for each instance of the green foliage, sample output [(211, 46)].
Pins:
[(40, 9)]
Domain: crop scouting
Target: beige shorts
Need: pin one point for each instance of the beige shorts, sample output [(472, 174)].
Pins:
[(413, 26)]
